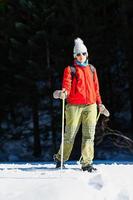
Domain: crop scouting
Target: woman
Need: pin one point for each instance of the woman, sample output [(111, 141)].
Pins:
[(81, 90)]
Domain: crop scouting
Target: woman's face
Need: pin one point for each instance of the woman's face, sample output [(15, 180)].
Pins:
[(81, 57)]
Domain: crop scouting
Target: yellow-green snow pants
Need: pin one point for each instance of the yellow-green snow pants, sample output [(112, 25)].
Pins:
[(75, 115)]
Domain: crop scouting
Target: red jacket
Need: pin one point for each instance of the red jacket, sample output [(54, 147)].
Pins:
[(83, 87)]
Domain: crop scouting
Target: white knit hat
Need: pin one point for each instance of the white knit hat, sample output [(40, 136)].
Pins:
[(79, 47)]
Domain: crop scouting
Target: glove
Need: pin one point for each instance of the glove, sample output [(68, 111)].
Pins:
[(103, 110), (63, 94), (101, 107)]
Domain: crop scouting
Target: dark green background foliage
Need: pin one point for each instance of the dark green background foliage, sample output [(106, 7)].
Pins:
[(36, 44)]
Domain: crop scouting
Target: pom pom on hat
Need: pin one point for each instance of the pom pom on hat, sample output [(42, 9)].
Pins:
[(79, 47)]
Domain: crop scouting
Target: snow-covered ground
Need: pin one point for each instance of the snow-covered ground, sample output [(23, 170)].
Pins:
[(41, 181)]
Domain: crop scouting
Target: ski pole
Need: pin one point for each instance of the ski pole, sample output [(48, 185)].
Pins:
[(62, 135), (57, 95), (98, 117)]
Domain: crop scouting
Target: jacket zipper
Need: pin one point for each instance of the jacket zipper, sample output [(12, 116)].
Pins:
[(85, 87)]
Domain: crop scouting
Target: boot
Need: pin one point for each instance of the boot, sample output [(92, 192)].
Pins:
[(58, 162), (89, 168)]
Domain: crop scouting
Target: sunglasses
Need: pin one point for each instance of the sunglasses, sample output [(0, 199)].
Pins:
[(79, 54)]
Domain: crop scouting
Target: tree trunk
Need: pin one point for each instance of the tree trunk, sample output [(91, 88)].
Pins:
[(53, 132), (35, 110), (127, 23)]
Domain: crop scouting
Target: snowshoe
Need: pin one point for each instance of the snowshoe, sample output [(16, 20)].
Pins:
[(58, 163), (89, 168)]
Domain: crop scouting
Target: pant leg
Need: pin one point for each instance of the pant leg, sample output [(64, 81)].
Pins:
[(73, 121), (88, 132)]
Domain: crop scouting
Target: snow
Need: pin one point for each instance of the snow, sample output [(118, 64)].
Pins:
[(39, 181)]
